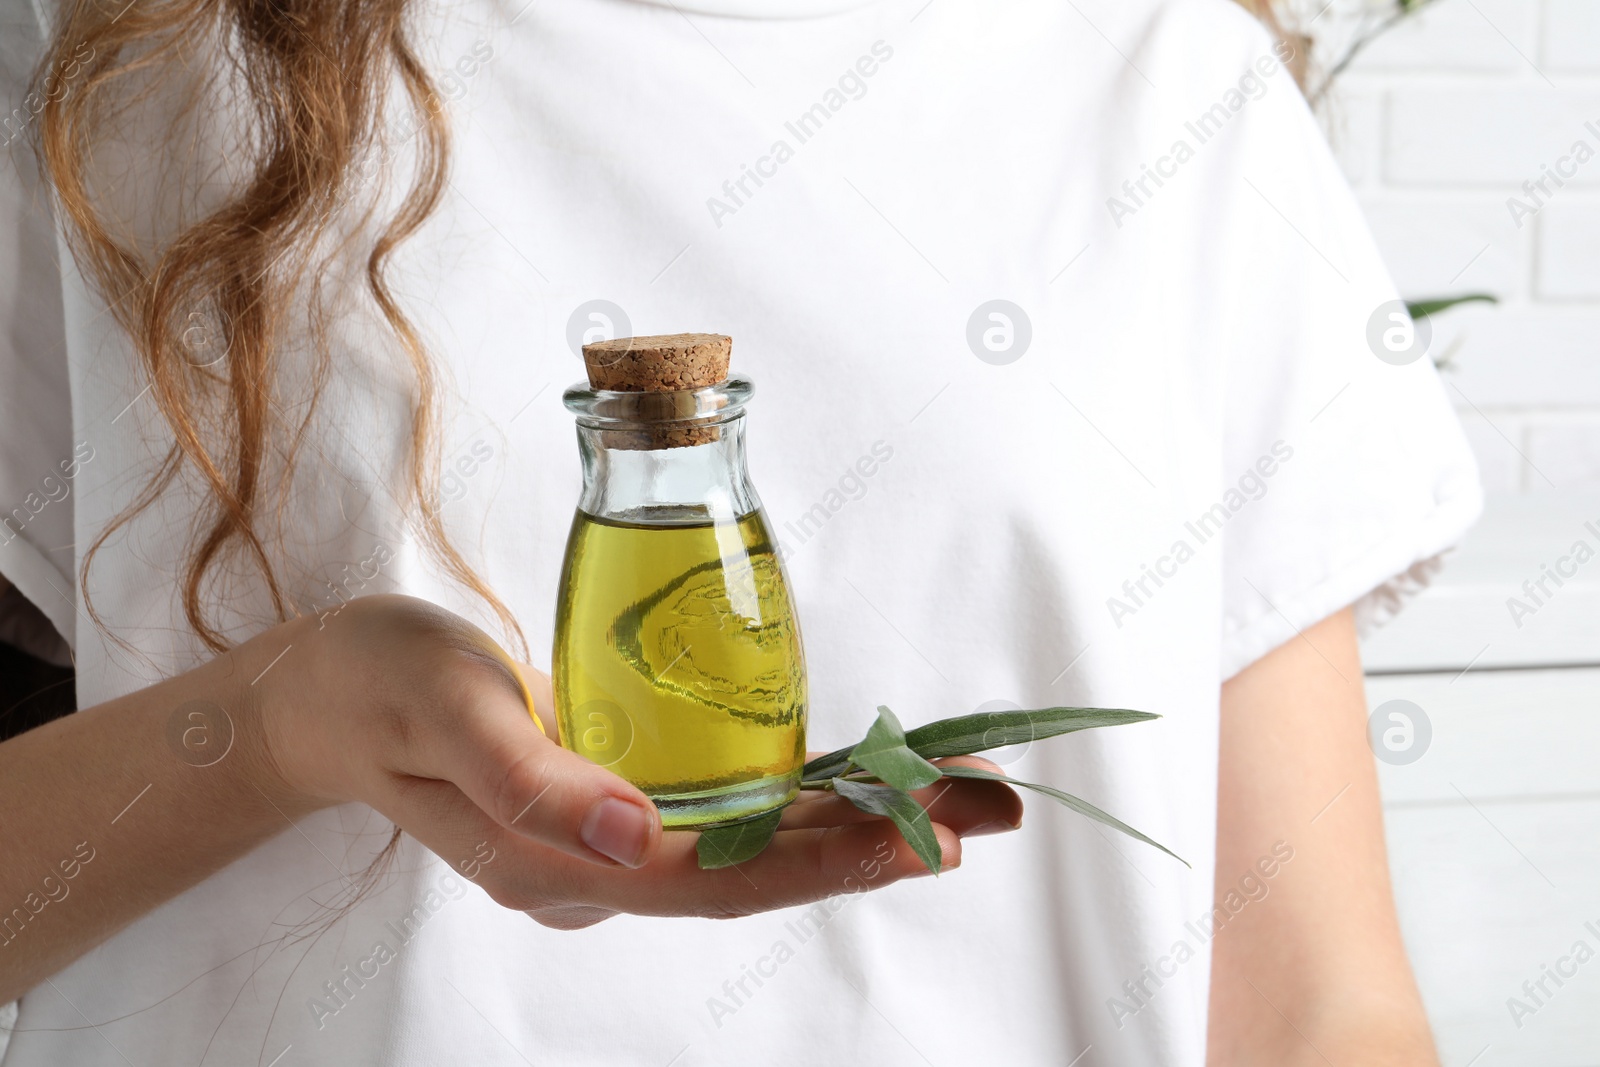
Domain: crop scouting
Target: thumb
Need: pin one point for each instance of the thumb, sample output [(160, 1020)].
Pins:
[(499, 755)]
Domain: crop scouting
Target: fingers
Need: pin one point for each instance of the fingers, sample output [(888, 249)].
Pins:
[(826, 847), (570, 917), (517, 873), (799, 867), (563, 892), (440, 816), (491, 749), (972, 806)]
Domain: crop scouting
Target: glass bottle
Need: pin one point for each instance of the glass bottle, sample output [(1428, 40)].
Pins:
[(678, 661)]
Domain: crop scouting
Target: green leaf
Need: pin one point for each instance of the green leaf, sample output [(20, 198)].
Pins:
[(1421, 309), (884, 753), (901, 807), (823, 768), (724, 846), (966, 734), (1083, 807)]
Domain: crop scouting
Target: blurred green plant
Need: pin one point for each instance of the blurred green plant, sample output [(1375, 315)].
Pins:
[(1375, 24), (1421, 309)]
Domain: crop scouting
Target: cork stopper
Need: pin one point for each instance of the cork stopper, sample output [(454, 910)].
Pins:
[(661, 364), (665, 363)]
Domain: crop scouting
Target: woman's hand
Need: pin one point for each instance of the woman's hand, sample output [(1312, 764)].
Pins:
[(415, 712), (403, 706)]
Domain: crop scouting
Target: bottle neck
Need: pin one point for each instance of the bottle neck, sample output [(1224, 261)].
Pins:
[(667, 486), (666, 458)]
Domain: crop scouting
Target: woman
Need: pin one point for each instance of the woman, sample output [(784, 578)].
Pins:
[(1082, 283)]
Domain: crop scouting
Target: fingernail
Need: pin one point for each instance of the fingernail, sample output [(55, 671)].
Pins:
[(998, 826), (617, 830)]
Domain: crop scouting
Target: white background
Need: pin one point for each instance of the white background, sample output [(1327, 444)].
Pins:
[(1437, 124), (1494, 833)]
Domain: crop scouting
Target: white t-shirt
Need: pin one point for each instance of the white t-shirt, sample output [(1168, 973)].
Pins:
[(1170, 449)]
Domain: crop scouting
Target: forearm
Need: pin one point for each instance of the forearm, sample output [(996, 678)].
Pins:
[(1374, 1034), (1314, 967), (109, 812)]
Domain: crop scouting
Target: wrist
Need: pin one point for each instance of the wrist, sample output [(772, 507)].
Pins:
[(273, 687)]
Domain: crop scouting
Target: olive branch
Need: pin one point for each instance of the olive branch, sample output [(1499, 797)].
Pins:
[(878, 773)]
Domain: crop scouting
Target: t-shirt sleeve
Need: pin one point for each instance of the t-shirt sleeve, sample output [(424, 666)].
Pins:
[(36, 447), (1346, 473)]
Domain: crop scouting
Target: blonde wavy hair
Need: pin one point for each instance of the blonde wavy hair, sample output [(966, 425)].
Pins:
[(313, 77)]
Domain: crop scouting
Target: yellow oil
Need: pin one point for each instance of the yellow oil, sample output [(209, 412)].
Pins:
[(678, 663)]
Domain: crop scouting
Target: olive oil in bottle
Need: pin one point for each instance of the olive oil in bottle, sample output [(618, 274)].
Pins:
[(678, 662), (688, 623)]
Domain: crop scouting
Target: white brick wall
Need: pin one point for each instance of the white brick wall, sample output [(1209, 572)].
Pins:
[(1437, 124)]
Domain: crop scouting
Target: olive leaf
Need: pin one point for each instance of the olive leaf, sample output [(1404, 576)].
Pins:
[(883, 752), (1083, 807), (724, 846), (901, 807), (966, 734)]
